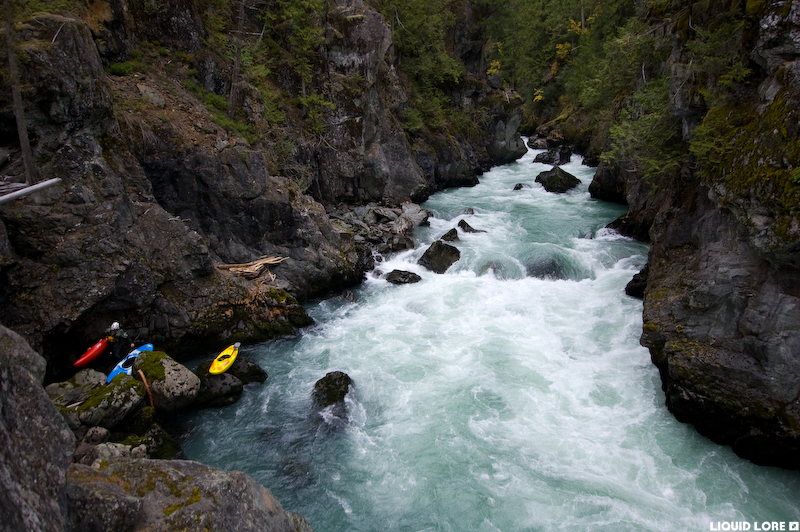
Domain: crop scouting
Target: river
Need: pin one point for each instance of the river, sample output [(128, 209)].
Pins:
[(508, 394)]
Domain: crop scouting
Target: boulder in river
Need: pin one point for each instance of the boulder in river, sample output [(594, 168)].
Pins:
[(468, 228), (636, 286), (332, 388), (557, 180), (247, 371), (439, 257), (555, 156), (172, 385), (402, 277), (450, 236), (217, 390)]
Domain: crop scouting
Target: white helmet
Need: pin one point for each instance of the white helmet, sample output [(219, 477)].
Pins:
[(115, 326)]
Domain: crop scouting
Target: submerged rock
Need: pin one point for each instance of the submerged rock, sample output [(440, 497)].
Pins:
[(439, 257), (557, 180)]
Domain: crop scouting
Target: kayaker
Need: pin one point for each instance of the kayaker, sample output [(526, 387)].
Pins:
[(119, 345)]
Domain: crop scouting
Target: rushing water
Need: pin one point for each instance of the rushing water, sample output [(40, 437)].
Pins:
[(510, 393)]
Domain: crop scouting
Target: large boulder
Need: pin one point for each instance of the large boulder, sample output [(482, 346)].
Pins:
[(36, 441), (161, 495), (172, 385), (439, 257), (86, 400), (247, 371), (217, 390), (557, 180)]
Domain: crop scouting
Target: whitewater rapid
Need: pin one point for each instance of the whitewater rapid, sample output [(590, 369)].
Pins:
[(510, 393)]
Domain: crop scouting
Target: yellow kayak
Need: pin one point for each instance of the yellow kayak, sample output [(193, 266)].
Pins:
[(224, 360)]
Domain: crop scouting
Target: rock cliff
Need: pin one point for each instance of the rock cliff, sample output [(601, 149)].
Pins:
[(155, 193), (721, 315)]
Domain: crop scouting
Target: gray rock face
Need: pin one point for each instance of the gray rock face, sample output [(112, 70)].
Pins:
[(721, 314), (557, 180), (439, 257), (173, 495), (37, 443), (172, 385)]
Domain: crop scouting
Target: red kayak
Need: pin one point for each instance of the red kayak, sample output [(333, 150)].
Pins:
[(93, 352)]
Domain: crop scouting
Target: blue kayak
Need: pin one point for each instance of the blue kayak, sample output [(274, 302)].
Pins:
[(126, 364)]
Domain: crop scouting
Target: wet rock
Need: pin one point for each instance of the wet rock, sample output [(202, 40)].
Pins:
[(331, 389), (402, 277), (217, 390), (557, 180), (439, 257), (520, 186), (468, 228), (450, 236), (172, 385), (554, 157), (637, 285), (608, 185), (247, 371), (537, 143), (547, 268)]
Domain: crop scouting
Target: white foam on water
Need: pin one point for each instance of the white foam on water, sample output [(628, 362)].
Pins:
[(485, 398)]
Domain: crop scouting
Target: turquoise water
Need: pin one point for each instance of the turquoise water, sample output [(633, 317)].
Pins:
[(487, 398)]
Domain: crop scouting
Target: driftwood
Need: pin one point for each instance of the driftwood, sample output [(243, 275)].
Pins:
[(251, 270)]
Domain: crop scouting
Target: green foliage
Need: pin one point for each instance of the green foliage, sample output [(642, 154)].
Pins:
[(126, 68), (292, 30), (215, 101), (420, 30), (314, 107), (750, 150), (646, 136)]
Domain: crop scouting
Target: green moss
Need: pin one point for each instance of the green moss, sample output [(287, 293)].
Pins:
[(194, 497), (753, 154), (150, 364), (106, 393)]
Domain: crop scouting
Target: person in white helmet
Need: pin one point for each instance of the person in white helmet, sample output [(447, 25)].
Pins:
[(119, 345)]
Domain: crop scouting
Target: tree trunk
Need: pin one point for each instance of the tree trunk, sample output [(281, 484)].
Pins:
[(237, 64), (31, 172)]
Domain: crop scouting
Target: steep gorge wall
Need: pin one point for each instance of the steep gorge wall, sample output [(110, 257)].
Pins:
[(722, 307)]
